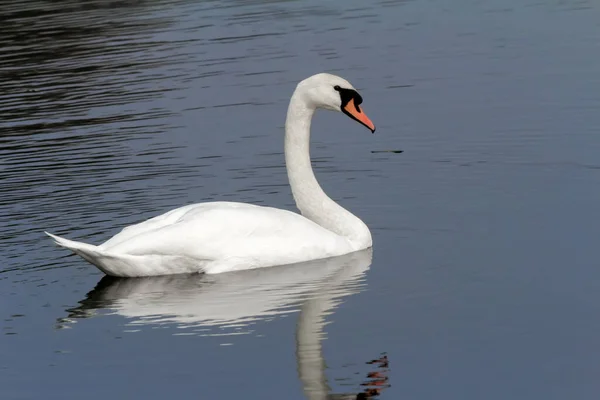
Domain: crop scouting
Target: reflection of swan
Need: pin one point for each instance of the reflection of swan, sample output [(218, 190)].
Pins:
[(226, 299), (223, 236), (309, 355), (237, 300)]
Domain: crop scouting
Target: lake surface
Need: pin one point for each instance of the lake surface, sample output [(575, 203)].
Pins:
[(483, 281)]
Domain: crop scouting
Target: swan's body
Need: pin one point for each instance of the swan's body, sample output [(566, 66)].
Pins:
[(212, 238), (224, 236)]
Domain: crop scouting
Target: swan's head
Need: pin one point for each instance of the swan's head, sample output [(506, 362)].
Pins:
[(334, 93)]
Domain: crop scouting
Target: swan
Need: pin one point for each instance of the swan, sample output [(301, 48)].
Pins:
[(219, 237)]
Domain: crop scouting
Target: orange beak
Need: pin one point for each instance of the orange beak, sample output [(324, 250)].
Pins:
[(356, 113)]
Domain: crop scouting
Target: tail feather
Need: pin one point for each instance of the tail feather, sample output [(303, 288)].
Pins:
[(129, 265), (90, 253), (71, 244)]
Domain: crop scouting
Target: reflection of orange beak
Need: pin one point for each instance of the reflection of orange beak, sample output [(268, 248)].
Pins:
[(356, 113)]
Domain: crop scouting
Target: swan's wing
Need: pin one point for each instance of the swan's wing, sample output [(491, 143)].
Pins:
[(226, 232), (164, 220)]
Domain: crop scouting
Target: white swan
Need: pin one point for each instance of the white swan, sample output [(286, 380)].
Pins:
[(225, 236)]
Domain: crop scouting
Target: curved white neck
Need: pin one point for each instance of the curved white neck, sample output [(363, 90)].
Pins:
[(310, 199)]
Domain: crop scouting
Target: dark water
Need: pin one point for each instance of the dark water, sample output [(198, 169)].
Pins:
[(484, 279)]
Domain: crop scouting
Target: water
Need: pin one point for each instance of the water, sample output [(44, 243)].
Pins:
[(483, 281)]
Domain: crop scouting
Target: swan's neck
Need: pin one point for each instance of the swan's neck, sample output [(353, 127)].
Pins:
[(310, 199)]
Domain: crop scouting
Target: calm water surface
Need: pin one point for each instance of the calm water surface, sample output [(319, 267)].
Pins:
[(483, 281)]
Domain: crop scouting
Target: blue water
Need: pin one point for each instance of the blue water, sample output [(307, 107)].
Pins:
[(483, 281)]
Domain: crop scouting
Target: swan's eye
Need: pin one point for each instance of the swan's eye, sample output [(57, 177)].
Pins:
[(337, 87)]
